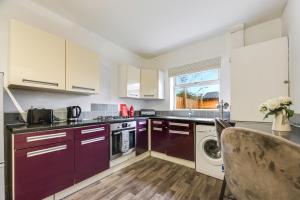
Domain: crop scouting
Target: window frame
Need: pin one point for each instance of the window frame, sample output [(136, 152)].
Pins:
[(199, 83)]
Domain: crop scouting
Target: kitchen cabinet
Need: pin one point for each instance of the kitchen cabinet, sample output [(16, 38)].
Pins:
[(152, 84), (82, 69), (181, 140), (41, 171), (142, 136), (258, 72), (129, 81), (36, 58), (159, 135), (91, 151)]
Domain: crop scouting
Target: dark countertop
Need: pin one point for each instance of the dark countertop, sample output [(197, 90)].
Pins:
[(208, 121), (293, 136), (25, 128)]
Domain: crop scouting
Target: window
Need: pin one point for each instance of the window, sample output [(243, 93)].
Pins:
[(198, 90)]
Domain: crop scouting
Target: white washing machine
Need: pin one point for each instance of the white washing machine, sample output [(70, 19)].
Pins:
[(208, 156)]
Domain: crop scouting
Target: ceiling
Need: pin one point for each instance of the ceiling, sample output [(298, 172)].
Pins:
[(153, 27)]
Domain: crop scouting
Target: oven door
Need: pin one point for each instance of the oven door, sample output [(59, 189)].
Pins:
[(116, 143)]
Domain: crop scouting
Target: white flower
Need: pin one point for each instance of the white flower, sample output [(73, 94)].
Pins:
[(273, 104), (285, 100)]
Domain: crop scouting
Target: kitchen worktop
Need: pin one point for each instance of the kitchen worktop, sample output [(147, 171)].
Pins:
[(293, 136), (25, 128), (208, 121)]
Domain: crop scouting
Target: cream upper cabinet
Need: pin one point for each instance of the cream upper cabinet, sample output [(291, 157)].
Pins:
[(258, 72), (152, 84), (82, 69), (129, 85), (36, 58)]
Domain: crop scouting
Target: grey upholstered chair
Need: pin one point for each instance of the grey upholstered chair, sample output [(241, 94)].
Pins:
[(220, 126), (260, 166)]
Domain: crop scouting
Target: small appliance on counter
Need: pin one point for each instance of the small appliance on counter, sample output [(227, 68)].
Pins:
[(40, 116), (123, 110), (73, 113), (147, 112)]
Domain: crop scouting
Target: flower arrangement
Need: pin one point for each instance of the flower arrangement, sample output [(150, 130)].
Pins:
[(274, 106)]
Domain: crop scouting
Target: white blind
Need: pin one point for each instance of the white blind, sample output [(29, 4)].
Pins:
[(195, 67)]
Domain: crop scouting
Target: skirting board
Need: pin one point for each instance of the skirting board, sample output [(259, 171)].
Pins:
[(179, 161), (98, 177)]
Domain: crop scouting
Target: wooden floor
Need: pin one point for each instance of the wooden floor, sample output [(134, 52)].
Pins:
[(152, 179)]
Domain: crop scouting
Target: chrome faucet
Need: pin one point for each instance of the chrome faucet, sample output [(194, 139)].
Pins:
[(221, 106), (190, 113)]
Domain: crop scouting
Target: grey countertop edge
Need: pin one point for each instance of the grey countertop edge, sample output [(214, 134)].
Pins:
[(25, 128)]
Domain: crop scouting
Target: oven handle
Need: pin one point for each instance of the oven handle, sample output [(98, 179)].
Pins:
[(116, 133)]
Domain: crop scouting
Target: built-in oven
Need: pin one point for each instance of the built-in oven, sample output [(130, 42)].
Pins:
[(122, 139)]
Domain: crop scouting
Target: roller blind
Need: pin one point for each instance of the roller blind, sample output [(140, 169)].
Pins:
[(195, 67)]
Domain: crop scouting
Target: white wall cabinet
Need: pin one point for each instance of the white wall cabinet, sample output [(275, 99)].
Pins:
[(258, 72), (152, 84), (82, 69), (129, 85), (36, 58)]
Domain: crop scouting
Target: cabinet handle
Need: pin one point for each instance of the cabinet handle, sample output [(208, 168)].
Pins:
[(179, 132), (40, 82), (142, 129), (92, 140), (157, 129), (92, 130), (157, 122), (135, 95), (178, 124), (148, 95), (46, 137), (82, 88), (45, 151), (142, 123)]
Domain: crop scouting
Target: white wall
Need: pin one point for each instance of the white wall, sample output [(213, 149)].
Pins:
[(263, 32), (214, 47), (291, 28), (111, 57)]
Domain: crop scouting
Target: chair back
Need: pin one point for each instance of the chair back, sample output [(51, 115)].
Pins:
[(220, 126), (260, 165)]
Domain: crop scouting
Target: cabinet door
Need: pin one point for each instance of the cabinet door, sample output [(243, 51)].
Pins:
[(36, 58), (181, 140), (158, 136), (142, 137), (149, 83), (133, 82), (43, 171), (91, 157), (258, 72), (91, 151), (82, 69)]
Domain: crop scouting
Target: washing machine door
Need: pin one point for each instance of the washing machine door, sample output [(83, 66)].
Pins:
[(211, 151)]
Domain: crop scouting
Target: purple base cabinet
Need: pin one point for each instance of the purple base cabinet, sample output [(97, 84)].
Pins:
[(181, 140), (159, 136), (142, 137), (91, 152), (43, 170)]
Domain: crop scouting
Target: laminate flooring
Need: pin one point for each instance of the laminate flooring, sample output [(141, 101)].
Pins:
[(152, 179)]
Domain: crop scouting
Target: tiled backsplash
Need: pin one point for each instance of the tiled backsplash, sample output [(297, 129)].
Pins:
[(195, 113)]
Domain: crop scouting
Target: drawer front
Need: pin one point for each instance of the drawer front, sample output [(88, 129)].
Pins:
[(158, 126), (91, 132), (43, 171), (179, 127), (28, 140), (142, 123), (91, 157)]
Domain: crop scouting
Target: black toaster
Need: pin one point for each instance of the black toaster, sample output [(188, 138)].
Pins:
[(40, 116)]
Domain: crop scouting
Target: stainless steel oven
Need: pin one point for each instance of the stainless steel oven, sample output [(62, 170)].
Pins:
[(122, 139)]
